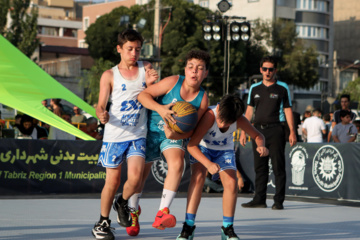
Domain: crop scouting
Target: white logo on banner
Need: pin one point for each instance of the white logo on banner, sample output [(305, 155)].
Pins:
[(328, 168), (159, 170), (298, 157)]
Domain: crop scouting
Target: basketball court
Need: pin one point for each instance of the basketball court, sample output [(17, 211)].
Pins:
[(72, 217)]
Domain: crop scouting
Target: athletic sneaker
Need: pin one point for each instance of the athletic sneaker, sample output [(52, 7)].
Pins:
[(164, 219), (123, 213), (103, 230), (187, 232), (228, 233), (134, 229)]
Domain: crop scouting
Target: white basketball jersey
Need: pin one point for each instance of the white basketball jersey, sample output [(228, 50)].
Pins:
[(215, 139), (128, 118)]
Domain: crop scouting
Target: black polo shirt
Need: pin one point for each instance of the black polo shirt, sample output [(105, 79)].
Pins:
[(269, 102)]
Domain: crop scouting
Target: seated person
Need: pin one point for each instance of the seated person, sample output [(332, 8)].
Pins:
[(57, 134), (91, 128), (26, 129)]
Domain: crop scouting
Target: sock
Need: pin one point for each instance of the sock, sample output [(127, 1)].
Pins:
[(227, 221), (167, 198), (134, 201), (190, 219), (103, 218)]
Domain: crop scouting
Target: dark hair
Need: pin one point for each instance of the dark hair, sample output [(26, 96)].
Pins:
[(268, 59), (129, 35), (345, 96), (317, 110), (198, 54), (326, 117), (231, 107), (344, 113)]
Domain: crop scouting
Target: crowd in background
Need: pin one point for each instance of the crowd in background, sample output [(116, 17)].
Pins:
[(27, 127)]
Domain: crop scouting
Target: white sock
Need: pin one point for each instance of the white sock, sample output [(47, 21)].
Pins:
[(133, 201), (167, 198)]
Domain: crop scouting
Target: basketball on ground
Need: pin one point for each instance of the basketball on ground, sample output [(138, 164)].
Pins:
[(185, 116)]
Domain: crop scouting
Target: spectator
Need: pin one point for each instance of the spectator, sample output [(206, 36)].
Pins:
[(357, 124), (327, 120), (78, 117), (56, 106), (57, 134), (42, 133), (91, 128), (26, 129), (345, 105), (313, 128), (344, 131)]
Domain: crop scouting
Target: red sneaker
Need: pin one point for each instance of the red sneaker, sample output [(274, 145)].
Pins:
[(134, 229), (164, 219)]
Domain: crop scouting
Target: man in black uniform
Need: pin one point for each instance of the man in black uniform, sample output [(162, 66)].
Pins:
[(271, 103)]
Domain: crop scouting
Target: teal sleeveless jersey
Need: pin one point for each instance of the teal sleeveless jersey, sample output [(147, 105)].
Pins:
[(155, 122)]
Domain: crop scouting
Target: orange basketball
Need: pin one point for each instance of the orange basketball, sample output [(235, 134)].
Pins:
[(185, 116)]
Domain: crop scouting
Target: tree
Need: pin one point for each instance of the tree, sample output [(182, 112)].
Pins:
[(22, 32), (182, 33), (297, 64), (353, 88), (91, 80)]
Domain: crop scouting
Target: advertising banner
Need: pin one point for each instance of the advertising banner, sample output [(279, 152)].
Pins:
[(49, 166)]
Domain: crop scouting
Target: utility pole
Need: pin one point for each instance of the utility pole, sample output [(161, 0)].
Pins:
[(157, 35)]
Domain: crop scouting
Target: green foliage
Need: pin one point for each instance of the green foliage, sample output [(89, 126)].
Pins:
[(91, 80), (23, 28), (297, 64), (353, 88)]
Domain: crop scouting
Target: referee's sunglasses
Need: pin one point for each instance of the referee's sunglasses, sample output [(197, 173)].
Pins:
[(265, 69)]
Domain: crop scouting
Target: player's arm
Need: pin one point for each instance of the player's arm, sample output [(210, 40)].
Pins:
[(246, 127), (147, 97), (151, 74), (106, 85), (290, 121), (248, 114), (193, 146)]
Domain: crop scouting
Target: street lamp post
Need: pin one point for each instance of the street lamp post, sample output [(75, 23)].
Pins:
[(228, 29)]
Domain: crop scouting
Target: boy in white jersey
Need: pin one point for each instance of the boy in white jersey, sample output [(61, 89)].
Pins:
[(125, 130), (160, 138), (212, 146)]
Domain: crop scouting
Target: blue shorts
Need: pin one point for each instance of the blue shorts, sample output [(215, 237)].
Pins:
[(112, 154), (156, 144), (224, 158)]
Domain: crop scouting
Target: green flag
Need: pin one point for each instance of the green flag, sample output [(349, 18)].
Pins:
[(23, 85)]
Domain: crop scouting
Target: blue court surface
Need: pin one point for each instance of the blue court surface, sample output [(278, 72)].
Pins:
[(73, 218)]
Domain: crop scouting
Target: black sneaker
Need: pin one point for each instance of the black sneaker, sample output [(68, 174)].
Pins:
[(253, 204), (187, 232), (103, 230), (228, 233), (123, 213), (277, 206)]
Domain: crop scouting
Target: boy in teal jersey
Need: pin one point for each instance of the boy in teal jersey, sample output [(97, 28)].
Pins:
[(212, 147), (161, 139)]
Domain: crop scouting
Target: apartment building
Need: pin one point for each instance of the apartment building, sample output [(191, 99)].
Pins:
[(313, 19)]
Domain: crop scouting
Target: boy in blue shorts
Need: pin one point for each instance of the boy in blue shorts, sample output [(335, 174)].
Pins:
[(125, 129), (212, 149), (160, 138)]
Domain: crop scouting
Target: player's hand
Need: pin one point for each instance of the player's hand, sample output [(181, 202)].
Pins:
[(104, 117), (151, 76), (213, 168), (166, 113), (242, 138), (240, 183), (263, 151), (169, 132)]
